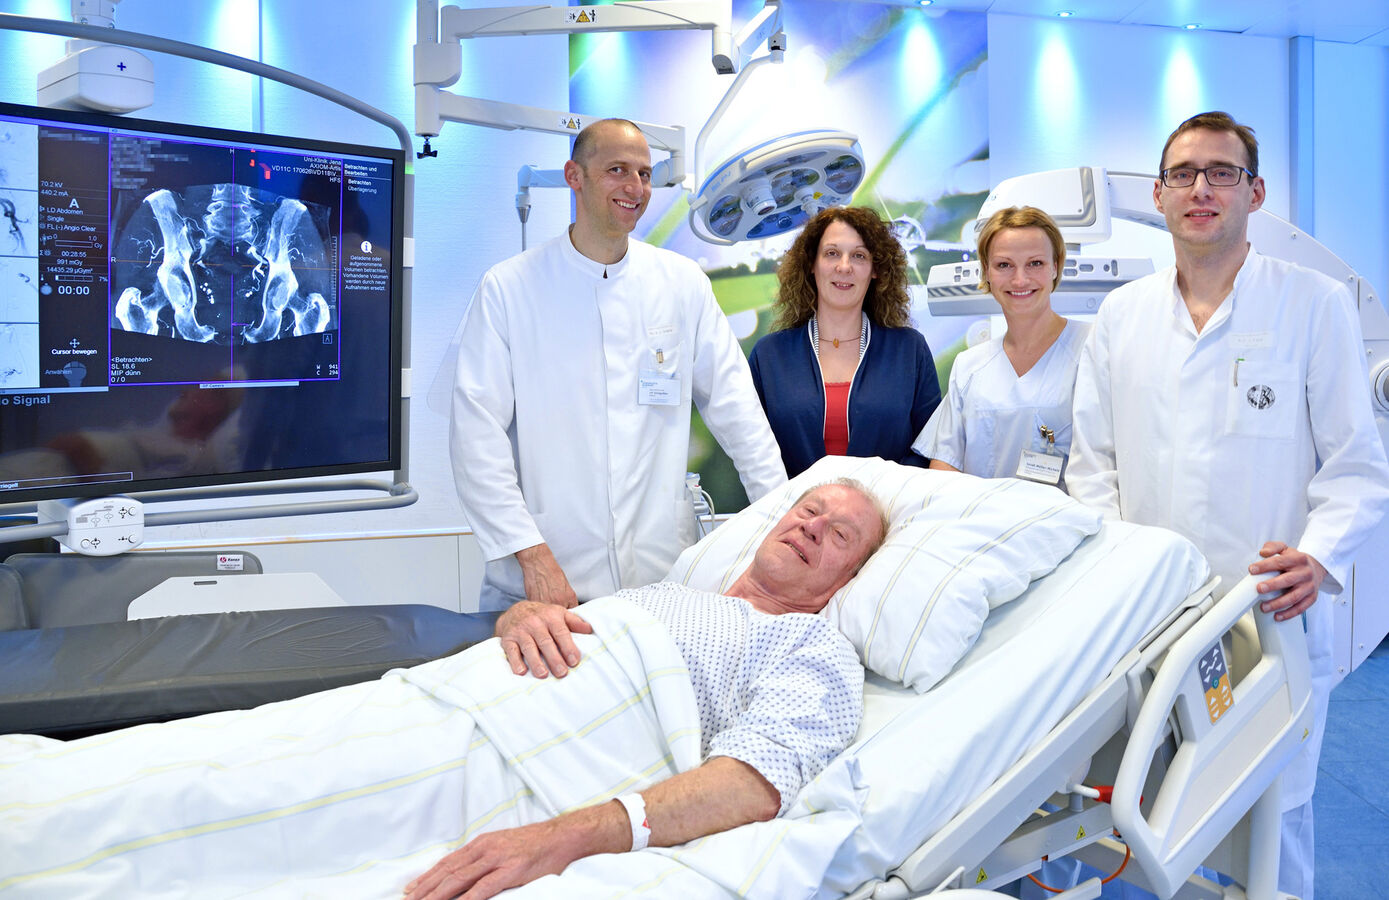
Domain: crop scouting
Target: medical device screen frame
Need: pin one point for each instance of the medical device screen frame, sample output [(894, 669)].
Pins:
[(184, 306)]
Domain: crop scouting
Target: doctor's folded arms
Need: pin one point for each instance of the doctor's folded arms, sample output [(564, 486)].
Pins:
[(571, 405), (1227, 398), (1007, 411), (845, 374)]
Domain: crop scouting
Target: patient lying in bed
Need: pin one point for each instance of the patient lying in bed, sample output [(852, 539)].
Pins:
[(735, 703), (779, 697)]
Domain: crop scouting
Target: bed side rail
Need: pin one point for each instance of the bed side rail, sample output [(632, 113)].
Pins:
[(1233, 741)]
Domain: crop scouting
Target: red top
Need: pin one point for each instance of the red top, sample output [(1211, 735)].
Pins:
[(837, 418)]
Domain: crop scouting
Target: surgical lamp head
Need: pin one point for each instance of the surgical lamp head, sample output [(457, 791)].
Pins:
[(776, 186)]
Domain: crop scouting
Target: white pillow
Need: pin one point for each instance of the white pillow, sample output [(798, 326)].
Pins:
[(956, 547)]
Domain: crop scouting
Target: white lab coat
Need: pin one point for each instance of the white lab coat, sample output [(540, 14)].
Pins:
[(989, 414), (549, 440), (1259, 428)]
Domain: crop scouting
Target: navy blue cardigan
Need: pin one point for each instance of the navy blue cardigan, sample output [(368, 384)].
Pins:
[(893, 394)]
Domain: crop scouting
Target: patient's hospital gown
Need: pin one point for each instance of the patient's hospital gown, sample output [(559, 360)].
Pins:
[(782, 693)]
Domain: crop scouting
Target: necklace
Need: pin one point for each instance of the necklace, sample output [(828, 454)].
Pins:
[(817, 340)]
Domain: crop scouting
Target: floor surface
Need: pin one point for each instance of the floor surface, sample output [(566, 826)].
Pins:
[(1350, 809)]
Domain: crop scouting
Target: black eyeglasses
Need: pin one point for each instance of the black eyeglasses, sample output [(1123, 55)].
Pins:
[(1216, 176)]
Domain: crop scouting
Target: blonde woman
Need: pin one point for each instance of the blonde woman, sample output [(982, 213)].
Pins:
[(1007, 411)]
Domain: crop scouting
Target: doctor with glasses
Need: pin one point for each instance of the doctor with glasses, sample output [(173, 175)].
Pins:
[(1227, 398)]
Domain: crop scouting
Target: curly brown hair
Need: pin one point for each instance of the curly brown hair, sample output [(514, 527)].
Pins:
[(887, 302)]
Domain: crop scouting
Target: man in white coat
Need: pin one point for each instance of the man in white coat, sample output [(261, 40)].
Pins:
[(1227, 398), (571, 408)]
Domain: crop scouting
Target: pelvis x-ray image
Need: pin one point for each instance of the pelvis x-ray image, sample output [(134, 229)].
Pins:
[(222, 263)]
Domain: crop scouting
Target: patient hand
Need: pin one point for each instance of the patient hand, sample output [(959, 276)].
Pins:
[(539, 637), (1300, 578), (543, 579), (511, 857)]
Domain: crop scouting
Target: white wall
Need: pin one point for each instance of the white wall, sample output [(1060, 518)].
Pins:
[(1351, 157), (1067, 93)]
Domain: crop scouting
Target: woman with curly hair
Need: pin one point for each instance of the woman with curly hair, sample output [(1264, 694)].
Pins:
[(1008, 410), (846, 374)]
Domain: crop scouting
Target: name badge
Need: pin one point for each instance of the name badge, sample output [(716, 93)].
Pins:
[(1251, 340), (1037, 466), (658, 388)]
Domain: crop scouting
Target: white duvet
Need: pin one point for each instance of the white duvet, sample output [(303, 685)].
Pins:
[(350, 792)]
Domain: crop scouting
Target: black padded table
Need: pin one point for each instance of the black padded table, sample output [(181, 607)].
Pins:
[(81, 679)]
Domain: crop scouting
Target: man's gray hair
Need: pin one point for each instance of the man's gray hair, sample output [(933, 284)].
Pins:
[(854, 484)]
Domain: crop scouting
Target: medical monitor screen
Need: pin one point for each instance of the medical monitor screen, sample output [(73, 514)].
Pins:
[(183, 306)]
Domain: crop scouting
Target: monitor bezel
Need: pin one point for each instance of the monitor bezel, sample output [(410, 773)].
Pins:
[(395, 402)]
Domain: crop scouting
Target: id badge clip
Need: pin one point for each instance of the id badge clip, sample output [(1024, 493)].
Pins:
[(1043, 465), (657, 388)]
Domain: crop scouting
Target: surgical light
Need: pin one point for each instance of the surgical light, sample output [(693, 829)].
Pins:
[(775, 186)]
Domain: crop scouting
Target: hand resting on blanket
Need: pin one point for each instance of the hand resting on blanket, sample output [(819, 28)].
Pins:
[(815, 549)]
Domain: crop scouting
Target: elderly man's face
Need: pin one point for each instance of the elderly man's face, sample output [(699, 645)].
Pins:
[(817, 547)]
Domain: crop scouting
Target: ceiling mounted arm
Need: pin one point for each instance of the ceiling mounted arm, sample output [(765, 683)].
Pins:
[(438, 63), (663, 15)]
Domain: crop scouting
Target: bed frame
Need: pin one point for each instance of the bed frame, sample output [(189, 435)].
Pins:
[(1194, 778)]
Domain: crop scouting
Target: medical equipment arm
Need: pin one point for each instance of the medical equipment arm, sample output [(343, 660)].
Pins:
[(1227, 761), (666, 15), (438, 63)]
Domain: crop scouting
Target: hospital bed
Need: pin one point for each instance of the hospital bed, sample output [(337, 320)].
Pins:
[(1181, 784), (1097, 661)]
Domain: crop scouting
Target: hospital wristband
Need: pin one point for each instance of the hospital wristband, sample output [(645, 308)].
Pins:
[(636, 812)]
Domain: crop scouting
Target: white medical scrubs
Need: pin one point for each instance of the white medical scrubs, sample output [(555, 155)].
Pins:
[(1258, 428), (990, 414), (571, 414)]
